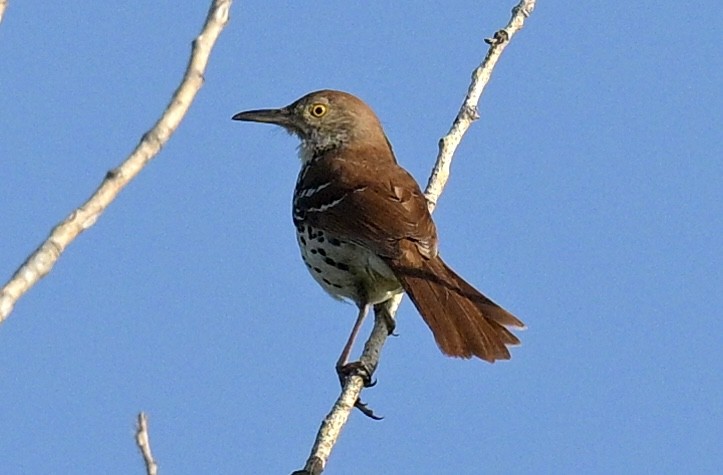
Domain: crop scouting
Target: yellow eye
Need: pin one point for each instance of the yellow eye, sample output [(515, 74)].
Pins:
[(317, 110)]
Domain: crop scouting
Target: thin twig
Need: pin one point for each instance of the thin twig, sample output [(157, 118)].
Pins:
[(332, 424), (468, 112), (42, 260), (143, 442), (3, 6)]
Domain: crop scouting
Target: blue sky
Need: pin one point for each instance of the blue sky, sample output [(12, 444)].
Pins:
[(588, 200)]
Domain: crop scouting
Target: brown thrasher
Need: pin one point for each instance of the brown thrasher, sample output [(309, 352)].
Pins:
[(365, 232)]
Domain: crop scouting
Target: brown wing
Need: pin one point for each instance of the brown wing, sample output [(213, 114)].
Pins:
[(377, 205)]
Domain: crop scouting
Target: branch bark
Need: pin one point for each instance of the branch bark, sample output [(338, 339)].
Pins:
[(42, 260), (333, 423), (143, 442)]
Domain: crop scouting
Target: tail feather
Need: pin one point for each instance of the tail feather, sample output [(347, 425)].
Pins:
[(464, 322)]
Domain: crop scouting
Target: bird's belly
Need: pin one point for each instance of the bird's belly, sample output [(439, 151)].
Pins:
[(346, 270)]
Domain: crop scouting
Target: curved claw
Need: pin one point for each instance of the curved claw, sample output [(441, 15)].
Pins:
[(367, 411), (357, 368)]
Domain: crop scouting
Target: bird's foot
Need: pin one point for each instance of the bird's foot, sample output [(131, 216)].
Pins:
[(358, 368), (382, 311), (314, 466), (355, 368)]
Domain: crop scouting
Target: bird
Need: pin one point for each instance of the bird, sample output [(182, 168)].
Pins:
[(365, 231)]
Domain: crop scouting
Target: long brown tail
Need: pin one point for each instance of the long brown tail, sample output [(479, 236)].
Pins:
[(464, 322)]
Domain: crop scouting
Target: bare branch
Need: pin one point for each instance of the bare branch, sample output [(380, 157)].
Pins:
[(143, 442), (468, 112), (3, 6), (333, 423), (40, 262)]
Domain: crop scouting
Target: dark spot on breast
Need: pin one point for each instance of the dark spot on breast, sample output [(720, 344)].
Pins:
[(317, 270), (321, 239), (337, 286), (313, 251), (334, 242), (330, 261), (327, 281), (342, 266), (302, 240), (321, 251)]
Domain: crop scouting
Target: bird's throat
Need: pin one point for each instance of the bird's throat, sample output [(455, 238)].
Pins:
[(310, 151)]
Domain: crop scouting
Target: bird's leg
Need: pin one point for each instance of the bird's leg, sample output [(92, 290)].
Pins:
[(345, 369)]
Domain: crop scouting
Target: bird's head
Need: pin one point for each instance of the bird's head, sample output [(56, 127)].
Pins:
[(323, 119)]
